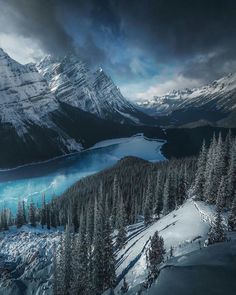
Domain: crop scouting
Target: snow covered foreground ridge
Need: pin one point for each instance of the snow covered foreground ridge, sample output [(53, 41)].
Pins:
[(26, 255)]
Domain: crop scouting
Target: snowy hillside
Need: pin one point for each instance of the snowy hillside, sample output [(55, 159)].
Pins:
[(182, 229), (72, 82), (210, 270), (26, 261), (25, 95), (26, 254)]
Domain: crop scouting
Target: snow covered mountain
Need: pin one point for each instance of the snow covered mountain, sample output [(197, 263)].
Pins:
[(56, 107), (215, 102), (72, 82), (25, 95)]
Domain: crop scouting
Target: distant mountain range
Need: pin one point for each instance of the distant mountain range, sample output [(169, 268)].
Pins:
[(59, 106), (213, 104)]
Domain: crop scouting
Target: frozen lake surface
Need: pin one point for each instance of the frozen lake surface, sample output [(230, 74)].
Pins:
[(55, 176)]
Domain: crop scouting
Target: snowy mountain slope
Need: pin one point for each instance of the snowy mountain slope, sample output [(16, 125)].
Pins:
[(25, 95), (72, 82), (214, 101), (26, 255)]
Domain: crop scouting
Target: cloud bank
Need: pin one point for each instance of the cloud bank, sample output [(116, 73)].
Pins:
[(171, 43)]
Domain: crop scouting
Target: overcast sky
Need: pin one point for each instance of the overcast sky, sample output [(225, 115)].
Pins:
[(147, 46)]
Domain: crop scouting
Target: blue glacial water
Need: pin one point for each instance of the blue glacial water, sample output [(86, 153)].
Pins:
[(53, 177)]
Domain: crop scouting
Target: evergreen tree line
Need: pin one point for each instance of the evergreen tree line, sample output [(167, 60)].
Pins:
[(85, 262), (133, 188), (215, 181), (32, 214)]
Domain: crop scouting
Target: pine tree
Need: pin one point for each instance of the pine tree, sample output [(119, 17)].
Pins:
[(210, 187), (219, 164), (221, 194), (59, 268), (48, 216), (155, 255), (115, 196), (98, 269), (108, 256), (32, 217), (217, 233), (158, 196), (166, 196), (56, 274), (24, 212), (231, 175), (67, 259), (232, 216), (148, 204), (200, 173), (121, 235), (80, 263), (19, 215), (43, 212)]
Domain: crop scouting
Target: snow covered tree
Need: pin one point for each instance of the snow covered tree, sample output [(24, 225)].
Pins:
[(56, 283), (48, 216), (67, 259), (148, 206), (217, 233), (200, 173), (231, 174), (115, 196), (43, 212), (32, 217), (158, 206), (59, 265), (98, 269), (121, 223), (155, 255), (232, 216), (221, 194), (24, 212), (210, 188), (108, 255), (166, 196), (19, 215), (81, 283)]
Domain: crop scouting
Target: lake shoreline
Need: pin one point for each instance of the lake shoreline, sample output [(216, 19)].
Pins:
[(119, 140)]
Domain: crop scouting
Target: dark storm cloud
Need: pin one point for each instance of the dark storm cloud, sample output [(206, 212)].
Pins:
[(37, 20), (199, 35)]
